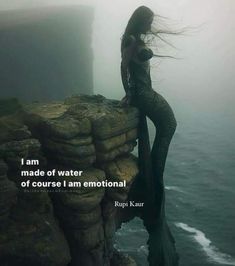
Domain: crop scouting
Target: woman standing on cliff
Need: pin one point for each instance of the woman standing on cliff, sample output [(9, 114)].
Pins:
[(135, 73)]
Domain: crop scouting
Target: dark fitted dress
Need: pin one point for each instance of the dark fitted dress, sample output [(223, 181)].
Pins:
[(152, 161)]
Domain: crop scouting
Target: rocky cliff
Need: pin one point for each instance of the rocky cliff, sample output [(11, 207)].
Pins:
[(70, 225)]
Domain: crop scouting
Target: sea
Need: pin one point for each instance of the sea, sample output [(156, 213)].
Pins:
[(200, 192)]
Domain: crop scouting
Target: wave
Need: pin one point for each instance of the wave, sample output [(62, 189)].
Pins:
[(125, 249), (141, 250), (211, 251), (175, 188), (126, 231)]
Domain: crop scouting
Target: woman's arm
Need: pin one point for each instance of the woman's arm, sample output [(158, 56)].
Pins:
[(125, 78), (126, 57)]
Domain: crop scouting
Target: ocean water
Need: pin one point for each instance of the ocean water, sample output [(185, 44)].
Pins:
[(200, 192)]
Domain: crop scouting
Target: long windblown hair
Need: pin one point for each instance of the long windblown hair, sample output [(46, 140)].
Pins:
[(140, 16)]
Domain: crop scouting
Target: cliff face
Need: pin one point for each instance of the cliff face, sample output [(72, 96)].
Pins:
[(70, 226), (46, 53)]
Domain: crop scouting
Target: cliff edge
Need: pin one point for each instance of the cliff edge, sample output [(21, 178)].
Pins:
[(75, 224)]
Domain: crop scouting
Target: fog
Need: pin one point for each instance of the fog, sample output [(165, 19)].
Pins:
[(203, 76), (200, 87)]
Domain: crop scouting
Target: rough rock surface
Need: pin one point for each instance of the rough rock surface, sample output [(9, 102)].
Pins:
[(120, 259), (89, 133), (29, 232), (32, 236)]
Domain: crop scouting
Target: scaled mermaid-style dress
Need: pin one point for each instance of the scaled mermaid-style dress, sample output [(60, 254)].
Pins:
[(150, 183)]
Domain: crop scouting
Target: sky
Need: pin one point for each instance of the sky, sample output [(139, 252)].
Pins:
[(203, 76)]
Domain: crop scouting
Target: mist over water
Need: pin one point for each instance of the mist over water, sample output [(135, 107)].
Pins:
[(200, 87)]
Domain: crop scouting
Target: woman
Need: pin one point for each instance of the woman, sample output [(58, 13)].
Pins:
[(135, 73)]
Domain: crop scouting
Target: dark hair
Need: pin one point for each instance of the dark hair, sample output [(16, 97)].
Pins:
[(137, 19), (139, 16)]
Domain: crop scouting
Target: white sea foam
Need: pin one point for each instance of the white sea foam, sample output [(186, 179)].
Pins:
[(143, 249), (129, 231), (211, 251), (175, 188)]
